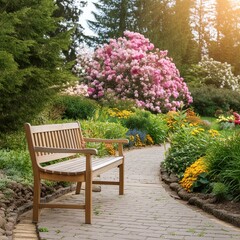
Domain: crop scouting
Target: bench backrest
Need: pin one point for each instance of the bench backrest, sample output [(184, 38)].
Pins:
[(66, 135)]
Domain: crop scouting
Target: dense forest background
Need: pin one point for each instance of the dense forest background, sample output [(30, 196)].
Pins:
[(188, 29), (39, 41)]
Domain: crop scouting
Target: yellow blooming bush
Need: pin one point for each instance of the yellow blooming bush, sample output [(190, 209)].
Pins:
[(213, 133), (115, 112), (197, 130), (110, 149), (192, 173)]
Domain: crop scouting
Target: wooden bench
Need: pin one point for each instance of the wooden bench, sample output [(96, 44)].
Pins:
[(65, 142)]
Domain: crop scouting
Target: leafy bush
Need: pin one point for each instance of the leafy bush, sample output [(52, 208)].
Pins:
[(211, 72), (16, 164), (13, 141), (76, 107), (207, 100), (220, 191), (188, 144), (223, 163), (129, 68), (154, 125), (102, 130)]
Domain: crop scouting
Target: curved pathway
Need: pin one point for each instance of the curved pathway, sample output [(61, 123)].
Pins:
[(145, 212)]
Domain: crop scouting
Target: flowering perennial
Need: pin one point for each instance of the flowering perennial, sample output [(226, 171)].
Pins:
[(191, 174), (129, 68), (114, 112)]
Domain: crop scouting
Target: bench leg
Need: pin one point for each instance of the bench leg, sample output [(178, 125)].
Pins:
[(78, 187), (121, 179), (88, 199), (36, 200)]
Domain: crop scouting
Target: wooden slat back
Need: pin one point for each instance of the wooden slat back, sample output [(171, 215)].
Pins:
[(67, 135)]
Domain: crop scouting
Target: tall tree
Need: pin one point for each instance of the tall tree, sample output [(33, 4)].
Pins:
[(70, 12), (110, 19), (225, 47), (167, 24), (202, 14), (31, 60)]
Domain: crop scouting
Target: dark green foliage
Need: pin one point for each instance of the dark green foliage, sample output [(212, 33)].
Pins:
[(226, 47), (111, 19), (70, 12), (207, 100), (220, 191), (139, 120), (31, 63), (201, 184), (154, 125), (13, 141), (75, 107), (223, 163)]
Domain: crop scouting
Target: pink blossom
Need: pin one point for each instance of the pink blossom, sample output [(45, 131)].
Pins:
[(129, 67)]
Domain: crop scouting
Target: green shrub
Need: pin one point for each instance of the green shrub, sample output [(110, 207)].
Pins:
[(223, 162), (102, 130), (208, 99), (75, 107), (187, 145), (154, 125), (16, 164), (220, 191), (13, 141)]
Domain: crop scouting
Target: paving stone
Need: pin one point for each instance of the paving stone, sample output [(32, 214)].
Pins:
[(145, 212)]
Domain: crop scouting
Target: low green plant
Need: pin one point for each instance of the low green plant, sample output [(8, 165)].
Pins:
[(220, 191), (75, 107), (223, 163), (13, 141), (16, 164)]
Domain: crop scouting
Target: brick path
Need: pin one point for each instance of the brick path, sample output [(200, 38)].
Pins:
[(145, 212)]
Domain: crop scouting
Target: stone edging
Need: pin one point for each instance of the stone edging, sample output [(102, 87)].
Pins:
[(193, 199)]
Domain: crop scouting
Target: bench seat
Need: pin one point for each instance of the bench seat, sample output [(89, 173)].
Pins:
[(58, 153), (77, 166)]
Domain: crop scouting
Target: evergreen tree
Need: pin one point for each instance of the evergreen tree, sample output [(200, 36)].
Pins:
[(202, 14), (31, 60), (111, 19), (70, 12)]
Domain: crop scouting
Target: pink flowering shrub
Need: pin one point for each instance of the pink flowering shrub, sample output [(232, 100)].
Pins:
[(129, 67)]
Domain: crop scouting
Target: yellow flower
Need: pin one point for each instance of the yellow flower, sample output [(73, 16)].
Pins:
[(192, 172), (213, 133)]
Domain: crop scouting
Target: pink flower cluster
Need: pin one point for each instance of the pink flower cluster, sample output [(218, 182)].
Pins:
[(129, 67)]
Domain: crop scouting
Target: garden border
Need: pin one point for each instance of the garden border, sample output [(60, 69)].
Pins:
[(177, 192)]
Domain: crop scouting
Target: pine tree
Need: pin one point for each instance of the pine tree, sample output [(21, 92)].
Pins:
[(31, 60), (70, 12), (111, 19)]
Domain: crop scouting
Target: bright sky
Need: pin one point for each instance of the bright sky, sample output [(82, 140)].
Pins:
[(87, 16)]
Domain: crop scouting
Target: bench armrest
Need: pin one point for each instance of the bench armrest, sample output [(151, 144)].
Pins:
[(91, 151), (106, 140)]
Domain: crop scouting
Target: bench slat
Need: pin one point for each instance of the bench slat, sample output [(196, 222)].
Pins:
[(78, 165)]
